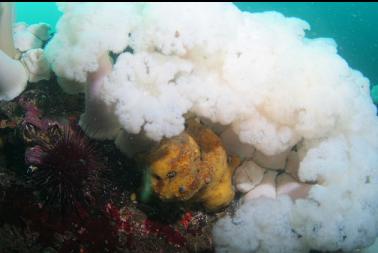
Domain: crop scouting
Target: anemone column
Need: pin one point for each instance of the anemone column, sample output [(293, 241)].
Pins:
[(13, 75), (99, 121)]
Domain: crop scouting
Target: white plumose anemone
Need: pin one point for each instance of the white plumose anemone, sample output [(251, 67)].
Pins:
[(260, 77), (21, 56)]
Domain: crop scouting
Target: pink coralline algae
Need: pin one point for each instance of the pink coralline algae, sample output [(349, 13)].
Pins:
[(33, 115), (144, 227)]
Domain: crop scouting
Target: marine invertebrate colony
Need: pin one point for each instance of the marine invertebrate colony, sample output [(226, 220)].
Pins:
[(64, 169), (13, 75), (264, 87), (21, 59)]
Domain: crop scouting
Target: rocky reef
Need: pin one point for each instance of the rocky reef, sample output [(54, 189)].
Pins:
[(99, 217)]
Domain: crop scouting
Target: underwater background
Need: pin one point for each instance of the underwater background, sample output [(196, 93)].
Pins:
[(352, 25), (115, 202)]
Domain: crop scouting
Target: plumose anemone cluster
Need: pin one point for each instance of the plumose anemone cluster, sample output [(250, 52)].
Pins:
[(22, 58), (301, 120), (260, 84)]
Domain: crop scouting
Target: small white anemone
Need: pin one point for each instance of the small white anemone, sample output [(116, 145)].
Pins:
[(16, 69), (30, 37), (36, 63)]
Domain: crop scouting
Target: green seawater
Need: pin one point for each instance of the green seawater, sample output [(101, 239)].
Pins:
[(354, 26)]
